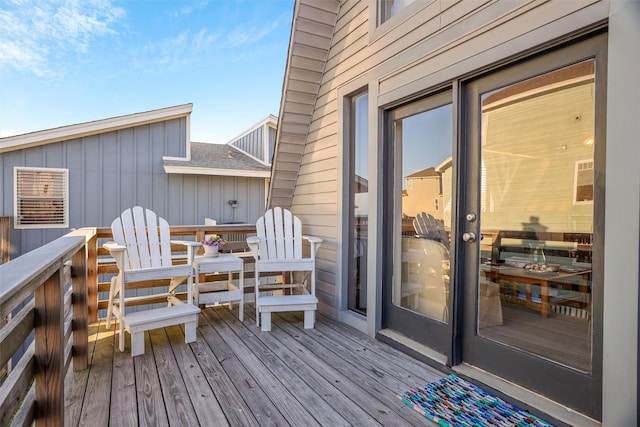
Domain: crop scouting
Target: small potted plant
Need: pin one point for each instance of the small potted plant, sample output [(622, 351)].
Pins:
[(212, 244)]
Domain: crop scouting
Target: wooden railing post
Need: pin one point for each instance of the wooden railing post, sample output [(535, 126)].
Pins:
[(92, 278), (79, 298), (49, 351)]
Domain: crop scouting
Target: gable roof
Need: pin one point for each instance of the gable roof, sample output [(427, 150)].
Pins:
[(217, 159), (311, 34), (33, 139), (424, 173)]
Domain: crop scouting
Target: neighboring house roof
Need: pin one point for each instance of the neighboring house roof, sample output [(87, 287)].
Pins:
[(33, 139), (217, 159), (424, 173), (311, 34)]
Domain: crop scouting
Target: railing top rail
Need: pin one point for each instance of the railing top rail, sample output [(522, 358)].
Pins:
[(20, 277), (186, 230)]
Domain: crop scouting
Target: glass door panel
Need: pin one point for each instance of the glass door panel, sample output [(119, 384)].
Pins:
[(536, 210), (417, 290), (423, 223)]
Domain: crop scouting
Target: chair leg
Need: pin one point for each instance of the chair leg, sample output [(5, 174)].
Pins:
[(121, 338), (309, 319), (266, 321), (137, 343), (112, 291), (255, 299), (190, 331)]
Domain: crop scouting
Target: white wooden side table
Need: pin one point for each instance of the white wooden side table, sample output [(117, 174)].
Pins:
[(228, 294)]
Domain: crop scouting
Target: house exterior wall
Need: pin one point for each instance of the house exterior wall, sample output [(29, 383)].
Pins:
[(112, 171), (430, 44), (421, 197)]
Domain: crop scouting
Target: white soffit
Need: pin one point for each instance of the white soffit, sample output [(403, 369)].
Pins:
[(312, 32)]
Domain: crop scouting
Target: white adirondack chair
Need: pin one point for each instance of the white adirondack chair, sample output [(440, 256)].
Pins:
[(278, 248), (142, 251), (427, 227)]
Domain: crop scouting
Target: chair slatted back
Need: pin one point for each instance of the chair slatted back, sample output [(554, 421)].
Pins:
[(427, 227), (146, 237), (280, 235)]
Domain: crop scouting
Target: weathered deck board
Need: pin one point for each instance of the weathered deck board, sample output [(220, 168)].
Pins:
[(124, 410), (95, 411), (151, 407), (322, 384), (234, 374)]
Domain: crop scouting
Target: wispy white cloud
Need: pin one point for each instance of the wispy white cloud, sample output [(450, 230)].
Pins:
[(186, 48), (192, 47), (249, 34), (34, 31), (191, 7)]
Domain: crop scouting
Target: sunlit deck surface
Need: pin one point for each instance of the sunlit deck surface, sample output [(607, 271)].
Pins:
[(236, 375)]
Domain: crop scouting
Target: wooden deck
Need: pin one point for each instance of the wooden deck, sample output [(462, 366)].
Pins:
[(236, 375)]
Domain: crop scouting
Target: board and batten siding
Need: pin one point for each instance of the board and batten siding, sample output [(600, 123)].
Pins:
[(116, 170), (430, 44)]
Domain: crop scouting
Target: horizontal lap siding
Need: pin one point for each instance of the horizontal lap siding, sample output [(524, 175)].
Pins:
[(404, 59)]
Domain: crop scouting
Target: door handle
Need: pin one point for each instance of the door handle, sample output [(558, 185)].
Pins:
[(469, 237)]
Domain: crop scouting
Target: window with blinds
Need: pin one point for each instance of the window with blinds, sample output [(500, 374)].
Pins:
[(41, 197), (583, 188)]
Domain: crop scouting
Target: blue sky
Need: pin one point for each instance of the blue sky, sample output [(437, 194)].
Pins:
[(67, 62)]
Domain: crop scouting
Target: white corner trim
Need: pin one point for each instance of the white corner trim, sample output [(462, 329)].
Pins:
[(190, 170), (48, 136)]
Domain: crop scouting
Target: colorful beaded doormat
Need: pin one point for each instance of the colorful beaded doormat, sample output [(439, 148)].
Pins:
[(453, 402)]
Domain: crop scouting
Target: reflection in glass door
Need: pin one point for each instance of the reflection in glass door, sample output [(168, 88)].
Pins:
[(536, 210), (531, 193), (417, 294), (359, 203)]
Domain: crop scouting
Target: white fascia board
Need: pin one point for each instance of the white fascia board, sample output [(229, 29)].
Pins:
[(250, 155), (17, 142), (190, 170)]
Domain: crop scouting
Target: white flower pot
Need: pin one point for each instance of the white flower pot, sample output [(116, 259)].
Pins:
[(210, 251)]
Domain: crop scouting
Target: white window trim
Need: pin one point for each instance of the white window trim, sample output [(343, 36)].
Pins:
[(64, 174)]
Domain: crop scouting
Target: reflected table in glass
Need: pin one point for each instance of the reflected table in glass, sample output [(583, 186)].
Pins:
[(549, 282)]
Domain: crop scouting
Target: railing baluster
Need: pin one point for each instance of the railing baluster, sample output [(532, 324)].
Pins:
[(49, 356), (80, 322), (92, 277)]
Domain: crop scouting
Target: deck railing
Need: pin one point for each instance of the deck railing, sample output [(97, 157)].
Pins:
[(50, 296), (45, 291)]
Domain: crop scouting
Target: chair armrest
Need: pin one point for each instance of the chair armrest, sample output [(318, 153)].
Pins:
[(118, 252), (186, 243), (315, 244), (312, 239), (253, 242), (114, 247), (190, 248)]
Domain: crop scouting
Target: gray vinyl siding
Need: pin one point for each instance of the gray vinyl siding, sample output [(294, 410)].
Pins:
[(253, 143), (427, 48), (113, 171)]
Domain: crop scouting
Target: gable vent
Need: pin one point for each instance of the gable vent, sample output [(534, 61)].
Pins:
[(41, 196)]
